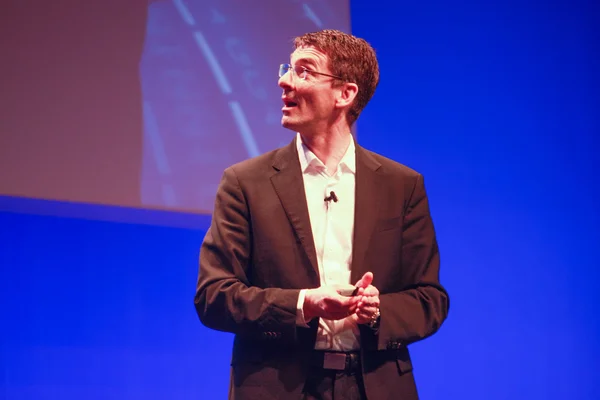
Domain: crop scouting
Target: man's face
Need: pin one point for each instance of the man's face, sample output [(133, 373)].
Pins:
[(309, 103)]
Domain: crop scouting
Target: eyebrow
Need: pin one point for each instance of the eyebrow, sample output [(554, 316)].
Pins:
[(307, 61)]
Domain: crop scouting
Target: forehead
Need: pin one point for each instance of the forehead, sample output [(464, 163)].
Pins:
[(309, 55)]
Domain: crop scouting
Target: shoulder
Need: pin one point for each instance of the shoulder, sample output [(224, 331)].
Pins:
[(398, 179), (395, 176), (264, 165), (388, 166)]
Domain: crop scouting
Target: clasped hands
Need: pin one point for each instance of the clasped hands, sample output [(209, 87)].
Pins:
[(325, 302)]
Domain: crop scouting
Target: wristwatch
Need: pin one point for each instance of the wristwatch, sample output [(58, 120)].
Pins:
[(374, 322)]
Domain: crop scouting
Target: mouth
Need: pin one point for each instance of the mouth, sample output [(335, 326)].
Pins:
[(289, 104)]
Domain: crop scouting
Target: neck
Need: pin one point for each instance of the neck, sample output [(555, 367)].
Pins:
[(330, 146)]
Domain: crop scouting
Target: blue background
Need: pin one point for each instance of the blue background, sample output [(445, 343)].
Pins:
[(496, 104)]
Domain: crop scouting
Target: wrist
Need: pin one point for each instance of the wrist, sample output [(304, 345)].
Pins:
[(307, 306), (373, 323)]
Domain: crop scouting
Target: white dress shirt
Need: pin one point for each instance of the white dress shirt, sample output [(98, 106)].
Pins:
[(332, 226)]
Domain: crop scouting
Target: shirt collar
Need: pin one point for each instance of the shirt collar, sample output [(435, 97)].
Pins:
[(308, 158)]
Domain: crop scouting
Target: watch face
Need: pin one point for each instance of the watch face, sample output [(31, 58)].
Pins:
[(374, 322)]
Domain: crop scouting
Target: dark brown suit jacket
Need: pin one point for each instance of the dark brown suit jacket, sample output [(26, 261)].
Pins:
[(259, 252)]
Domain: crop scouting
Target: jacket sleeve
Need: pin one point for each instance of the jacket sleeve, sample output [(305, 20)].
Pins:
[(226, 298), (420, 308)]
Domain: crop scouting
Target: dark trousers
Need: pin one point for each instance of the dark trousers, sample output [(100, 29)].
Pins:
[(327, 384)]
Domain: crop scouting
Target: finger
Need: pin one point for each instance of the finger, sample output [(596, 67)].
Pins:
[(368, 311), (365, 281), (352, 309), (348, 301), (362, 318), (363, 313), (369, 302), (370, 291)]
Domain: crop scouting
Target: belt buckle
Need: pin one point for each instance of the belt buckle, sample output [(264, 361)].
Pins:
[(335, 361)]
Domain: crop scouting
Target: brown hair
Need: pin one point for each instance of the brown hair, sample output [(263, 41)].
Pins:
[(350, 58)]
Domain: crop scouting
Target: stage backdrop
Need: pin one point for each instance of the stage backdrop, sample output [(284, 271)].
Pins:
[(117, 119), (143, 104)]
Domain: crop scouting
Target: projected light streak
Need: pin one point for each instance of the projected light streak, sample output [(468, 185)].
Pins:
[(208, 80), (242, 123), (184, 12), (169, 194), (219, 74), (310, 14), (158, 150), (213, 63)]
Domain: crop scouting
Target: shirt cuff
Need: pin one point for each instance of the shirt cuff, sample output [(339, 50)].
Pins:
[(300, 310)]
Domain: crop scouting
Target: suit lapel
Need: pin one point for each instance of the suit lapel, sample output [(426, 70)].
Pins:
[(289, 186), (368, 186)]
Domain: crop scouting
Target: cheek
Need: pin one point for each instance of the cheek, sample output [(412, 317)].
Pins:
[(324, 103)]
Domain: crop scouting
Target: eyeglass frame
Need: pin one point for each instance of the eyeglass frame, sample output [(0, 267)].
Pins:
[(289, 67)]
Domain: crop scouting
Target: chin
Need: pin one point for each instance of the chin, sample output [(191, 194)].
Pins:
[(286, 123)]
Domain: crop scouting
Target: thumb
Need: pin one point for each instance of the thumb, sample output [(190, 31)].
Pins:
[(365, 281)]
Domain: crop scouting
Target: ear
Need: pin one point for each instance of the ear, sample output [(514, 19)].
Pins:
[(348, 92)]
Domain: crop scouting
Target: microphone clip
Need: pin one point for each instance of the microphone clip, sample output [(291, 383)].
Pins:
[(331, 196)]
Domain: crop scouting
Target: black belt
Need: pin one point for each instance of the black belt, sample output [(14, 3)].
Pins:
[(336, 360)]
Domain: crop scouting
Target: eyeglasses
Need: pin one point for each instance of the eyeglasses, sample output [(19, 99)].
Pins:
[(301, 71)]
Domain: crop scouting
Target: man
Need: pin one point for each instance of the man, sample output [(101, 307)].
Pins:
[(294, 228)]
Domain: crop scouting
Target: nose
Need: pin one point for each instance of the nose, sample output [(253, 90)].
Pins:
[(286, 81)]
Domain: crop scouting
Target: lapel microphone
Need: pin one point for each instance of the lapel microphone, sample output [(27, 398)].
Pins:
[(332, 196)]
